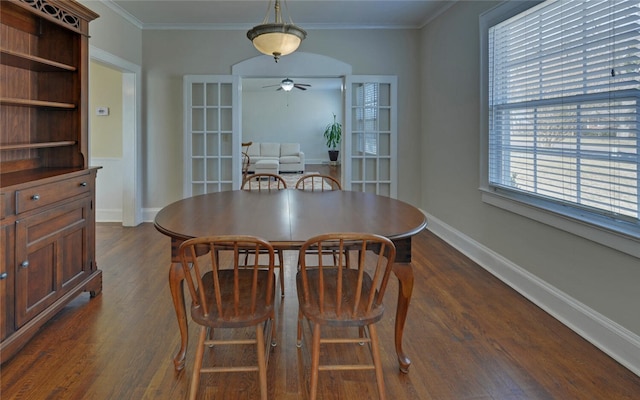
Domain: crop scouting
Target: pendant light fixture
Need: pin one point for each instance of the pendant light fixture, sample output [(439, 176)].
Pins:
[(278, 38)]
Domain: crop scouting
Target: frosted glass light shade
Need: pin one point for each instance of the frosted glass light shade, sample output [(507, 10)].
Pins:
[(276, 39)]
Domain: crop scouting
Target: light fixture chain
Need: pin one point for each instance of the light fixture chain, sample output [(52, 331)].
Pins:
[(278, 16), (266, 15), (286, 6)]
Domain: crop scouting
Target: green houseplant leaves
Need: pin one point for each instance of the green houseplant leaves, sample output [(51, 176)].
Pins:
[(333, 134)]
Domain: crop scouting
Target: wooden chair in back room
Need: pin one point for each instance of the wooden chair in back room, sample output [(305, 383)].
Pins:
[(246, 160), (263, 182), (318, 182), (267, 182)]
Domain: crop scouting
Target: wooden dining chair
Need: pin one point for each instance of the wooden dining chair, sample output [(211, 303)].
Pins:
[(318, 182), (246, 159), (264, 182), (267, 182), (338, 297), (229, 295)]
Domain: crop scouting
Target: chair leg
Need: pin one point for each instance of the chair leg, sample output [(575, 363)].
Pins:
[(375, 353), (299, 342), (281, 260), (262, 364), (315, 361), (334, 254), (272, 321), (197, 365), (210, 335)]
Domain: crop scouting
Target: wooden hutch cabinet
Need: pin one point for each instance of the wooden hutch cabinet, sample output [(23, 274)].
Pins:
[(47, 189)]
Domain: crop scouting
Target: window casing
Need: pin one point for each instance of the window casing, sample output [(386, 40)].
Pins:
[(562, 109)]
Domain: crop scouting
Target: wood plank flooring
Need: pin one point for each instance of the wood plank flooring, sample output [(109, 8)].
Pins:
[(469, 337)]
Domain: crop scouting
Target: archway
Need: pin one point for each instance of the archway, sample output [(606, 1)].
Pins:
[(300, 65)]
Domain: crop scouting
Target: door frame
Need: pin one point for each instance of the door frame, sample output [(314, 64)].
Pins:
[(131, 137), (298, 64)]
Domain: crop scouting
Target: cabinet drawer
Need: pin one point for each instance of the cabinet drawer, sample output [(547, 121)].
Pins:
[(49, 193)]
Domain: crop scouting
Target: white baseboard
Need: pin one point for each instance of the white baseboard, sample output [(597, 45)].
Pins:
[(315, 161), (610, 337), (103, 215), (149, 214)]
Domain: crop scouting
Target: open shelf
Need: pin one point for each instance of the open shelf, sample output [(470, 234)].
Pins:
[(33, 63), (40, 145), (36, 103)]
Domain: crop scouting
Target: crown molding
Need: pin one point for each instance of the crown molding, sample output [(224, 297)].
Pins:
[(123, 13), (245, 27)]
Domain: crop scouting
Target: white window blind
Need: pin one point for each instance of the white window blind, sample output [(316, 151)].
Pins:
[(367, 116), (564, 105)]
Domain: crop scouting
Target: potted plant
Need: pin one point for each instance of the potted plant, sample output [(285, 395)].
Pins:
[(333, 136)]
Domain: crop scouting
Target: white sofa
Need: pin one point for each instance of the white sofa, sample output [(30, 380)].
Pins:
[(288, 155)]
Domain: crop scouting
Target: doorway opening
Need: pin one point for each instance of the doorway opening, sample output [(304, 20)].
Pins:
[(130, 162)]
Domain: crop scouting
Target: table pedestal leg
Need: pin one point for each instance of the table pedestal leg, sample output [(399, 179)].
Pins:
[(176, 276), (404, 273)]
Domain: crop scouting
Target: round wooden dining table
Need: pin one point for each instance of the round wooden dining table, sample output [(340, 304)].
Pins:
[(287, 218)]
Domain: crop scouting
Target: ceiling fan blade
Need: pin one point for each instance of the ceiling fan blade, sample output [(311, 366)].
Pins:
[(302, 84), (270, 86), (299, 87)]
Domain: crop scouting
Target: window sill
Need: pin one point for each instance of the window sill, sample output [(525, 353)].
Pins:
[(598, 229)]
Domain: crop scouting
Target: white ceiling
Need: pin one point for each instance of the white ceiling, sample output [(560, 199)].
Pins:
[(308, 14)]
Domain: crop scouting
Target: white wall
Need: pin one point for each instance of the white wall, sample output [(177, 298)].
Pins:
[(105, 140), (168, 55), (105, 90), (589, 286), (113, 34), (291, 117)]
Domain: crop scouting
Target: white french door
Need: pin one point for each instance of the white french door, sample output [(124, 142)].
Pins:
[(370, 140), (209, 147), (212, 112)]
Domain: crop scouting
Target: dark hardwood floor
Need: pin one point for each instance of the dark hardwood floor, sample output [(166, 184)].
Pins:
[(469, 337)]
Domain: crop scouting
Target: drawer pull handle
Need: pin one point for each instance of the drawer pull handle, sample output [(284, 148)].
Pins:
[(3, 275), (24, 264), (35, 197), (83, 184)]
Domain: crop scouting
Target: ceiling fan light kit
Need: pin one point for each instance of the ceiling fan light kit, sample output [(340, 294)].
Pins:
[(286, 85), (277, 38)]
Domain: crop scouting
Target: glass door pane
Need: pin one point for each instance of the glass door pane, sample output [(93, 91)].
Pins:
[(208, 134), (372, 111)]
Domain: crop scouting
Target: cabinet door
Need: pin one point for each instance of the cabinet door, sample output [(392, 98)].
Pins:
[(51, 247), (6, 281)]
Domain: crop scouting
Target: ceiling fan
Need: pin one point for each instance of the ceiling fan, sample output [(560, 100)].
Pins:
[(287, 84)]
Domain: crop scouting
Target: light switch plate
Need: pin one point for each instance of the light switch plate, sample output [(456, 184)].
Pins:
[(102, 111)]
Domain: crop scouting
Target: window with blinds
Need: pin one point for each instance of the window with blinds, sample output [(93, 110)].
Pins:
[(564, 106), (367, 117)]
